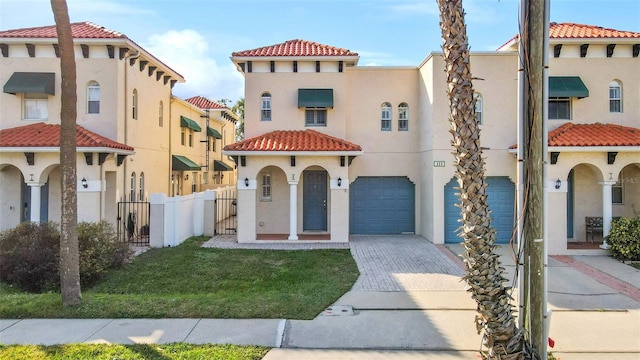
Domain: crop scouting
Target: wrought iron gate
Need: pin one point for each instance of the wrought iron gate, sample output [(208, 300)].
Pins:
[(226, 213), (133, 222)]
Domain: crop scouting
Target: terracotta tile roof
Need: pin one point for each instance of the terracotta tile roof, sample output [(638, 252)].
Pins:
[(80, 30), (204, 103), (293, 140), (48, 135), (296, 47), (594, 135)]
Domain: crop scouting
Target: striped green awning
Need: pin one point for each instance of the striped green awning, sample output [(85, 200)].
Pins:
[(183, 163), (31, 82), (315, 98), (188, 123), (213, 132), (567, 86)]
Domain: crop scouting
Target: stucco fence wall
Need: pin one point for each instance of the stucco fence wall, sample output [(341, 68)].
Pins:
[(175, 219)]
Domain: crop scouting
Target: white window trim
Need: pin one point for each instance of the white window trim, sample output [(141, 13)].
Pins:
[(479, 107), (42, 105), (93, 85), (266, 193), (618, 185), (403, 117), (385, 117), (315, 122), (618, 86), (265, 107)]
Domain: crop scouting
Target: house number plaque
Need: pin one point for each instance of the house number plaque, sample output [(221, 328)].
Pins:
[(438, 163)]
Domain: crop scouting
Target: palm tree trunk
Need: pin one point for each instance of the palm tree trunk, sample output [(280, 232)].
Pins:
[(69, 253), (485, 277)]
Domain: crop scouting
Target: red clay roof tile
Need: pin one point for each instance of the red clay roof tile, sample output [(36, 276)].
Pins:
[(48, 135), (80, 30), (296, 47), (204, 103), (293, 140), (594, 135)]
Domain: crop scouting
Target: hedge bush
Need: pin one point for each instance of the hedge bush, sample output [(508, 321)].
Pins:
[(30, 254), (624, 238)]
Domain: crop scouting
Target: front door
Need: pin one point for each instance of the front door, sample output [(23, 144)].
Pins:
[(314, 212)]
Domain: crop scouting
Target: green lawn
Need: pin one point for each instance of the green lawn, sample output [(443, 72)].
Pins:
[(139, 351), (189, 281)]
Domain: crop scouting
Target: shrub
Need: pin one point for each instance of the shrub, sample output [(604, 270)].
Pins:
[(624, 238), (100, 250), (29, 256)]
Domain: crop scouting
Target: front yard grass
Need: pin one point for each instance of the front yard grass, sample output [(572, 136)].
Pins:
[(189, 281), (138, 351)]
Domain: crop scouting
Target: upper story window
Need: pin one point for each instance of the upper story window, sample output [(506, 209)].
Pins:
[(132, 184), (479, 105), (615, 96), (160, 114), (265, 107), (134, 104), (141, 187), (36, 106), (190, 138), (560, 108), (403, 117), (385, 117), (315, 117), (93, 98), (183, 139)]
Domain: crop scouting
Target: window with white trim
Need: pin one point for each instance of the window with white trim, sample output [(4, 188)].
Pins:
[(615, 97), (265, 107), (315, 117), (205, 177), (141, 187), (403, 117), (266, 187), (194, 182), (134, 104), (479, 104), (385, 117), (93, 98), (35, 106), (132, 184), (560, 108), (617, 191), (160, 114)]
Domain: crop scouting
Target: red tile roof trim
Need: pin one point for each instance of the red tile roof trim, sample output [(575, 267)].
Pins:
[(597, 134), (293, 140), (204, 103), (296, 47), (48, 135), (79, 30)]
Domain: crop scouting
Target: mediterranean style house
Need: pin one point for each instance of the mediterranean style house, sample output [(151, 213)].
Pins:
[(134, 138), (333, 149)]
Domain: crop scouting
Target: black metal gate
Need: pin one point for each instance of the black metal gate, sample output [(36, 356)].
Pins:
[(226, 213), (133, 222)]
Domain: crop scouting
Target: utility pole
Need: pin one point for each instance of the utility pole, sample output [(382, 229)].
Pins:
[(533, 57)]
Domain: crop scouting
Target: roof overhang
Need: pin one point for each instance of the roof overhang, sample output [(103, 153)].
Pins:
[(591, 149), (292, 153), (19, 149)]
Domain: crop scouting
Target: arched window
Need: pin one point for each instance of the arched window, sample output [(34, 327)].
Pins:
[(385, 117), (403, 117), (478, 98), (132, 191), (160, 114), (93, 98), (615, 96), (141, 187), (134, 104), (265, 107)]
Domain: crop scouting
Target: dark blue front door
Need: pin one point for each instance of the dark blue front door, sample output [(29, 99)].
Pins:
[(314, 213)]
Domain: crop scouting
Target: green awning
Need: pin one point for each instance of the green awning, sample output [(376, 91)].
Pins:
[(315, 98), (183, 163), (221, 166), (188, 123), (567, 86), (213, 132), (31, 82)]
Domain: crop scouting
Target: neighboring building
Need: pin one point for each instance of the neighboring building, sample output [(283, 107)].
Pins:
[(333, 149)]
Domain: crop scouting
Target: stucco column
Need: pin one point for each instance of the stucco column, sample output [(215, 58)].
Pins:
[(35, 202), (606, 211), (293, 210)]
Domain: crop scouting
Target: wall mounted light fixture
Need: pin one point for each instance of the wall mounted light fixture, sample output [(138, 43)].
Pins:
[(339, 182), (558, 184), (246, 182), (30, 177), (186, 177), (85, 183)]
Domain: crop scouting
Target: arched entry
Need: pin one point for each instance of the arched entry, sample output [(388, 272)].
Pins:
[(501, 201)]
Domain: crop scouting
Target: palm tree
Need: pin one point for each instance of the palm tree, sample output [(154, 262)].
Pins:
[(484, 276), (69, 253)]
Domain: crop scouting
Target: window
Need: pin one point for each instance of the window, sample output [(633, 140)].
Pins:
[(560, 108), (315, 117), (134, 104), (205, 177), (615, 97), (265, 107), (403, 117), (478, 98), (194, 182), (385, 117), (36, 106), (132, 191), (617, 191), (182, 138), (141, 188), (190, 138), (160, 114), (266, 187), (93, 98)]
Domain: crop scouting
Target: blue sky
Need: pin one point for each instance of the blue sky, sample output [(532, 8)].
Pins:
[(196, 37)]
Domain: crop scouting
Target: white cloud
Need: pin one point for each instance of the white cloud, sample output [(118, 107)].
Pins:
[(188, 53)]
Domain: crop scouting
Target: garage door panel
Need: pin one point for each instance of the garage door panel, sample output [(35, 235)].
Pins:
[(382, 205)]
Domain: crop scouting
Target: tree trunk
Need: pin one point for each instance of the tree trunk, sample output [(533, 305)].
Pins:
[(501, 338), (69, 253)]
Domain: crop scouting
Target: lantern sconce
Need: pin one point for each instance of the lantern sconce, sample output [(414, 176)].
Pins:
[(186, 177), (246, 182), (558, 184), (339, 182), (85, 183), (30, 177)]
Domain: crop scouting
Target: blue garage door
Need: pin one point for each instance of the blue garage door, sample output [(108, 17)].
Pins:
[(501, 199), (382, 205)]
